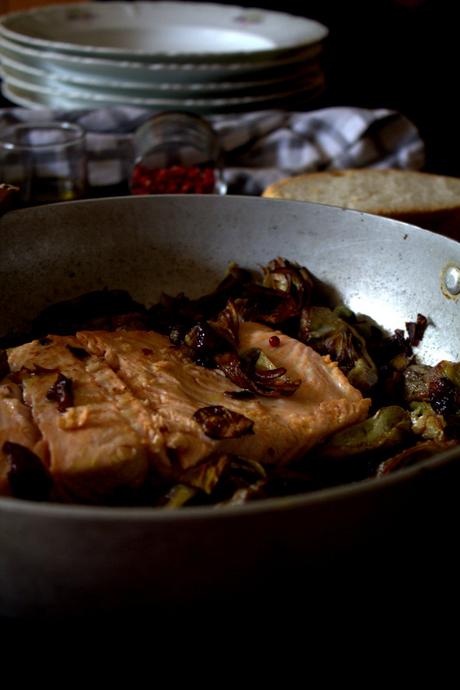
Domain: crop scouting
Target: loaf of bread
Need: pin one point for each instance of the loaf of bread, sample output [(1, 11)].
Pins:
[(424, 199)]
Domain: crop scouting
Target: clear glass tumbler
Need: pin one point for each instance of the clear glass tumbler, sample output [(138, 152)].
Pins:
[(46, 160)]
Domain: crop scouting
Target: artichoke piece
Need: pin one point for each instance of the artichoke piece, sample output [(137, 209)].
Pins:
[(388, 428), (201, 343), (328, 334), (219, 422), (206, 475), (444, 391), (448, 370), (178, 496), (426, 422), (254, 372), (416, 329), (285, 289), (285, 276), (417, 379), (227, 324), (443, 395), (245, 494), (267, 305), (243, 480), (251, 467), (439, 385), (179, 313), (61, 392), (364, 324)]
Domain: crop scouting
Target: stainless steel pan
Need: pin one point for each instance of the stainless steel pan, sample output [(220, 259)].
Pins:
[(71, 559)]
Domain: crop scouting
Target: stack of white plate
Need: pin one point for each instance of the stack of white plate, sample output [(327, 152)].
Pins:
[(207, 58)]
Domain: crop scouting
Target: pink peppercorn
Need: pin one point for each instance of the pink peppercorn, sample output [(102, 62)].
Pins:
[(176, 179)]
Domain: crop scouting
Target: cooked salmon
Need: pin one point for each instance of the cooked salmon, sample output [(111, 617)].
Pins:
[(173, 390), (109, 409), (92, 449), (17, 426)]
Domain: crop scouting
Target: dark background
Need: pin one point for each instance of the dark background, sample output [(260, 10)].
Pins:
[(400, 54)]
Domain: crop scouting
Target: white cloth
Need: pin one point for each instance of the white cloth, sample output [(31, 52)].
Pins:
[(258, 147)]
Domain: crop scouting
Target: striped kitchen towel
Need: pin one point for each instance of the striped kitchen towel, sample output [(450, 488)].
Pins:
[(258, 147)]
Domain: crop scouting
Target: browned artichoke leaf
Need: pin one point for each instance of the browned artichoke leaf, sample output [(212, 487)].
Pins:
[(449, 370), (244, 480), (250, 467), (267, 305), (219, 422), (253, 371), (394, 350), (291, 278), (61, 392), (285, 289), (416, 329), (438, 385), (203, 343), (230, 364), (270, 376), (414, 454), (206, 475), (227, 323), (328, 334), (180, 312), (389, 427)]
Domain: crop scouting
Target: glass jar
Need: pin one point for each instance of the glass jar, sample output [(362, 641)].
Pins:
[(176, 153)]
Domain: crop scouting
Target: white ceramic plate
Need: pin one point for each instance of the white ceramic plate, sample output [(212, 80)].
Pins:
[(176, 30), (30, 96), (101, 69), (298, 78)]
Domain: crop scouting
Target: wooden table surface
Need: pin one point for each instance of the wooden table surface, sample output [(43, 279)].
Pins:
[(19, 5)]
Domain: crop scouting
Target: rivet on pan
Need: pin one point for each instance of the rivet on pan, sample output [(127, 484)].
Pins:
[(452, 280)]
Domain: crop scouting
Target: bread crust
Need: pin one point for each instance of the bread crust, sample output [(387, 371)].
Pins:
[(425, 199)]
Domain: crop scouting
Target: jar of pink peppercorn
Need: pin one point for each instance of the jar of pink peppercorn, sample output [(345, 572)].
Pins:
[(176, 153)]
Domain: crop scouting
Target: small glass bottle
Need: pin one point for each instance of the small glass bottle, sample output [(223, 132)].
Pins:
[(176, 153)]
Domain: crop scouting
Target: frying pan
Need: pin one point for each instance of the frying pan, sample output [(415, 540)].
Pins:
[(58, 560)]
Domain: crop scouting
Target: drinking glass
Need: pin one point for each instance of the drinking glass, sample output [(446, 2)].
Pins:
[(46, 160)]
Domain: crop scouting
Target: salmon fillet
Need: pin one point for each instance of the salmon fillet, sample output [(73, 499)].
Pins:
[(17, 426), (92, 449), (173, 389), (134, 396)]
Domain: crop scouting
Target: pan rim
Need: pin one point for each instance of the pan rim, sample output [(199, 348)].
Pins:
[(329, 496)]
